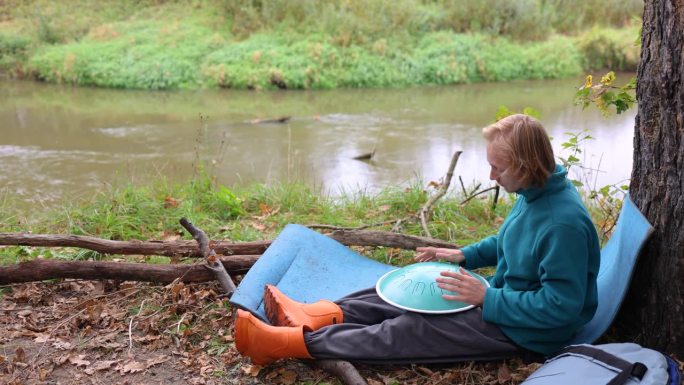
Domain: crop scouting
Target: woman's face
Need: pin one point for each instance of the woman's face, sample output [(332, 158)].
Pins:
[(500, 170)]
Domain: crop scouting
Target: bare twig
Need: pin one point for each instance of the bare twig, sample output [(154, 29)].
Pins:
[(496, 196), (442, 190), (130, 327), (481, 192), (376, 224), (465, 193)]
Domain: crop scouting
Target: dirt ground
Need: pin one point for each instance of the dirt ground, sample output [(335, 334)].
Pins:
[(94, 332)]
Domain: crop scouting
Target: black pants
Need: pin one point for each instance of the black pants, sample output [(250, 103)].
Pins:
[(377, 332)]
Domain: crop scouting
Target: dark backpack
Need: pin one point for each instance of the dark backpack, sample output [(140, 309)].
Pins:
[(612, 364)]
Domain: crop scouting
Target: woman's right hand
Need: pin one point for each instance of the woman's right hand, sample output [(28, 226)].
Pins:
[(426, 254)]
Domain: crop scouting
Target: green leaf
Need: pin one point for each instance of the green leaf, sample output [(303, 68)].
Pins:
[(502, 113), (531, 112)]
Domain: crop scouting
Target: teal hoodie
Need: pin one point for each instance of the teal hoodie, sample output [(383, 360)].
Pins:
[(547, 257)]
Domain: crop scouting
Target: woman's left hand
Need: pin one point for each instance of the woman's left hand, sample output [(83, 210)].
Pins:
[(470, 290)]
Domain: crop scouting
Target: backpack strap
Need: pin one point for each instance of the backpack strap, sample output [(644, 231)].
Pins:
[(626, 369)]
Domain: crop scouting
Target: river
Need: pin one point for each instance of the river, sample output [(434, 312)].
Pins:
[(61, 142)]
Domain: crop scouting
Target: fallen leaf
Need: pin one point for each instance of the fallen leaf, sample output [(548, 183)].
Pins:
[(43, 373), (271, 375), (62, 345), (207, 369), (41, 337), (264, 208), (133, 367), (503, 375), (252, 370), (227, 338), (258, 226), (156, 360), (434, 184), (79, 360), (288, 377), (170, 201), (19, 355), (425, 370), (100, 365)]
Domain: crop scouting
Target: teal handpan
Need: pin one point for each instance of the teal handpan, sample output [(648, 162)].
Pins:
[(414, 288)]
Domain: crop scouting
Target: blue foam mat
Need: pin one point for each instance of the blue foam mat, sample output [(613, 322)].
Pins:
[(306, 266), (618, 259)]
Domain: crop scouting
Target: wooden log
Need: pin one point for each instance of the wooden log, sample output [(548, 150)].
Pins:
[(386, 239), (106, 246), (191, 249), (41, 269)]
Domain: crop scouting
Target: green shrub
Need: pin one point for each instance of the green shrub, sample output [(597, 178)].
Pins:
[(604, 48), (13, 50)]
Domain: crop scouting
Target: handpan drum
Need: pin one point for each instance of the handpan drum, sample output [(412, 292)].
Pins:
[(414, 288)]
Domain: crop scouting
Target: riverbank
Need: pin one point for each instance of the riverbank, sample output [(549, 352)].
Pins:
[(190, 328), (300, 45), (259, 212)]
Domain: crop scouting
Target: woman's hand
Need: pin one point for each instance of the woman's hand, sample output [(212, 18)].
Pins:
[(469, 289), (426, 254)]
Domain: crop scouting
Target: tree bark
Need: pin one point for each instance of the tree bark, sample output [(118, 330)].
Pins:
[(40, 269), (653, 311)]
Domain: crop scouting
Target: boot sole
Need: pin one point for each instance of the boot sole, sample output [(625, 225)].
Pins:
[(274, 310)]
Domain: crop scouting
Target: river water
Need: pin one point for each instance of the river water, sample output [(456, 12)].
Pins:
[(60, 142)]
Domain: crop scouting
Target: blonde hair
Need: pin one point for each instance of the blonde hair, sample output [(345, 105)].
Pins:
[(522, 140)]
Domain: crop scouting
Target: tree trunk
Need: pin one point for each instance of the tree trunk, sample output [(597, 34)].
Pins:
[(653, 311)]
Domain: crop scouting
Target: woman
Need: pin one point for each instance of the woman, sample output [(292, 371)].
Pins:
[(546, 255)]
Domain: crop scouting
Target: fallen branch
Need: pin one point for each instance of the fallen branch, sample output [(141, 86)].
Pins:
[(363, 227), (387, 239), (191, 249), (181, 249), (440, 193), (343, 370), (213, 263), (282, 119), (41, 269)]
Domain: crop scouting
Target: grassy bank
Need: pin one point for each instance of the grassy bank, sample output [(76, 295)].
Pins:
[(306, 44), (250, 213)]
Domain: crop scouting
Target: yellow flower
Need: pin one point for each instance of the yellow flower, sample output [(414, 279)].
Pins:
[(608, 78), (588, 83)]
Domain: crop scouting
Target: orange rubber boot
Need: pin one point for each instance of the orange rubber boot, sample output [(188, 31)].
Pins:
[(283, 311), (264, 343)]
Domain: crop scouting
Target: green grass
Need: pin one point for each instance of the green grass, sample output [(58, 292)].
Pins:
[(305, 44), (253, 212), (249, 213)]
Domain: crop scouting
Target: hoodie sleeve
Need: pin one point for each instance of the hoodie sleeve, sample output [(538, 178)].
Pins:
[(564, 263), (481, 254)]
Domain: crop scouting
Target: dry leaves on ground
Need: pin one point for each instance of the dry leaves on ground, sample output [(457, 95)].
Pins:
[(106, 332)]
